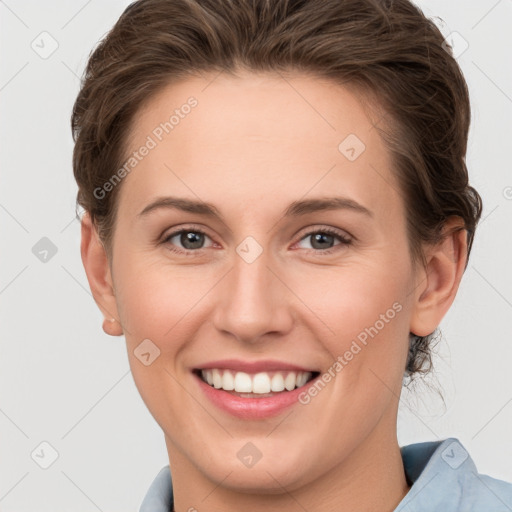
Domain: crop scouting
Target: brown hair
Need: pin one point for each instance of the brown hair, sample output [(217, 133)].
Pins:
[(386, 50)]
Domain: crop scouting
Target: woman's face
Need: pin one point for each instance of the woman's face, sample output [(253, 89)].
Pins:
[(260, 286)]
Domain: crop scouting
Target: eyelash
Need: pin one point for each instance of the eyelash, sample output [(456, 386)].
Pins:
[(189, 252)]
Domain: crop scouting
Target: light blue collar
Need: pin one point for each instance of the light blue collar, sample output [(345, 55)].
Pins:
[(443, 476)]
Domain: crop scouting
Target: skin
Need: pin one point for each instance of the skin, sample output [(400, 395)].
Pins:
[(252, 146)]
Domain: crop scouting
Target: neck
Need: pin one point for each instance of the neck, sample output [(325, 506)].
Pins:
[(371, 478)]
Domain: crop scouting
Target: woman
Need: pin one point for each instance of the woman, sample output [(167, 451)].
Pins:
[(278, 217)]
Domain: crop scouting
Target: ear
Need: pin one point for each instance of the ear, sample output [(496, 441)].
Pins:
[(94, 258), (437, 284)]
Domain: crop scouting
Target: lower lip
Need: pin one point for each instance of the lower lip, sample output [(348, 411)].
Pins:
[(252, 408)]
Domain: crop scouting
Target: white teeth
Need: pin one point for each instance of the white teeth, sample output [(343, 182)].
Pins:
[(301, 379), (228, 381), (277, 383), (259, 383), (243, 383), (290, 381), (217, 379)]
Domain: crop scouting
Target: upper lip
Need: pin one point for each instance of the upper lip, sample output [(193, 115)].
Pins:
[(267, 365)]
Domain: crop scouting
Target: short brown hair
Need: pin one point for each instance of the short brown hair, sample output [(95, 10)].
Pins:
[(386, 50)]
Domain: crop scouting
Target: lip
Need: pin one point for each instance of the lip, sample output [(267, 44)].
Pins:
[(268, 365), (252, 408)]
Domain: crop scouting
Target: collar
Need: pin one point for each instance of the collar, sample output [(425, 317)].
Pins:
[(442, 474)]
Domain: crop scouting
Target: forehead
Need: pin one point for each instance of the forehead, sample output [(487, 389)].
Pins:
[(259, 135)]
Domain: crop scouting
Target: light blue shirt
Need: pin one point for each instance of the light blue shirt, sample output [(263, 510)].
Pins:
[(443, 477)]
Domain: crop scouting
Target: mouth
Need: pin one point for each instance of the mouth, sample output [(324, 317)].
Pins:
[(255, 385)]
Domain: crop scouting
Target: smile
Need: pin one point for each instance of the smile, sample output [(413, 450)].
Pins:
[(253, 390), (261, 383)]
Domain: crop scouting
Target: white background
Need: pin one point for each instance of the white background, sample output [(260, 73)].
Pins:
[(63, 381)]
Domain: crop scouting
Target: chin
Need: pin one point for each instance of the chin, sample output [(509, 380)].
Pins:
[(267, 479)]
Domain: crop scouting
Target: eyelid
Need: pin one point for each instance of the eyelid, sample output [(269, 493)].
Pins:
[(345, 240), (169, 232), (303, 233), (316, 228), (344, 237)]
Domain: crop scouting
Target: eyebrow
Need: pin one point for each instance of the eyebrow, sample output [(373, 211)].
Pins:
[(295, 209), (306, 206)]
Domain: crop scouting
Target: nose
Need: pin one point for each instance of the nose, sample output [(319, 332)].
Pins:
[(253, 301)]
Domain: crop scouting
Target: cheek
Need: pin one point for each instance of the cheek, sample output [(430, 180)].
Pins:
[(156, 312), (156, 299), (166, 305), (356, 311), (361, 317), (347, 301), (340, 303)]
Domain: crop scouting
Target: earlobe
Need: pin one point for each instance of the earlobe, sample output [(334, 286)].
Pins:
[(437, 284), (97, 269), (112, 326)]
